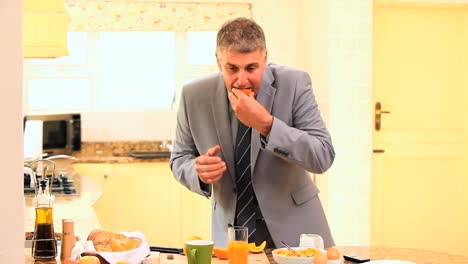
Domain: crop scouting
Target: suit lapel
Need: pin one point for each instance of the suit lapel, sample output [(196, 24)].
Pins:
[(265, 97), (220, 110)]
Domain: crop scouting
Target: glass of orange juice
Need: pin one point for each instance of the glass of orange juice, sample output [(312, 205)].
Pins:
[(238, 237)]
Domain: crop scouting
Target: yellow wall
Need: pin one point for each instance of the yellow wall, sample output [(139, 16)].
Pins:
[(464, 176)]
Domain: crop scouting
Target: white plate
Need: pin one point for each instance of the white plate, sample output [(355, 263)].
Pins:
[(390, 262)]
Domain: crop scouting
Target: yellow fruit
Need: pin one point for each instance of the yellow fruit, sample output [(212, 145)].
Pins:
[(191, 238), (320, 258), (254, 249), (247, 91), (89, 260), (221, 253), (333, 253), (70, 261)]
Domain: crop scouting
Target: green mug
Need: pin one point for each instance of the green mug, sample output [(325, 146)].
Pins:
[(199, 251)]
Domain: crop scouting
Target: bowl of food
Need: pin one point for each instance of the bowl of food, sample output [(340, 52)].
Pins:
[(110, 247), (300, 255)]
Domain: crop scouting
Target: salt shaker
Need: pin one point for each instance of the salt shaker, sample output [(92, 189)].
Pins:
[(68, 238)]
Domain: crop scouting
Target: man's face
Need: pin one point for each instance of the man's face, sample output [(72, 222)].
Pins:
[(242, 70)]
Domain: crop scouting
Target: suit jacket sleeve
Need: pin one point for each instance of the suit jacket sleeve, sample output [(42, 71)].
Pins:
[(184, 153), (304, 140)]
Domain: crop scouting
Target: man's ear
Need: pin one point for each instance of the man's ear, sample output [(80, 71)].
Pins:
[(218, 61)]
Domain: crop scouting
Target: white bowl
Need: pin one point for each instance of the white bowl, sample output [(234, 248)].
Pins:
[(280, 259)]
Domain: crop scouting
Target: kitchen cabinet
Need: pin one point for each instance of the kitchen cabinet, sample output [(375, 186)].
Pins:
[(45, 26), (146, 197)]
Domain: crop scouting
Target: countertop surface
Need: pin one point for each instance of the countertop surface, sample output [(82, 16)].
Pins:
[(122, 152), (413, 255), (374, 253)]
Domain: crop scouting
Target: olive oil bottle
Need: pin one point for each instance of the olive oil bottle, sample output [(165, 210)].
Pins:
[(44, 245), (44, 236)]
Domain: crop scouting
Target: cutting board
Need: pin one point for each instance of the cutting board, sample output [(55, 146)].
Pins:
[(257, 258)]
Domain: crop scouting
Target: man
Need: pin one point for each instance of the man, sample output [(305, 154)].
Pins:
[(256, 178)]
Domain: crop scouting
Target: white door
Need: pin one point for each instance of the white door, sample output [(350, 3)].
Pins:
[(419, 174)]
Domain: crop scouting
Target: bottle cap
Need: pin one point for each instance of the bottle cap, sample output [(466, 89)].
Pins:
[(68, 226)]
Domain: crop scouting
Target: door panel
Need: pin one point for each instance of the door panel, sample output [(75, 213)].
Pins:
[(418, 75)]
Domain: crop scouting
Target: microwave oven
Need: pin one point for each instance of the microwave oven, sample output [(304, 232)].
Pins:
[(52, 134)]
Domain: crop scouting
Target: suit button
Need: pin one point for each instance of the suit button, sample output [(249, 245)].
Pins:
[(234, 190)]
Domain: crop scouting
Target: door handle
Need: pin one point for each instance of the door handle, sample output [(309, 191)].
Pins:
[(378, 115)]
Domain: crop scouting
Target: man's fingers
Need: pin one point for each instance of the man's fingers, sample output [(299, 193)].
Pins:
[(208, 160), (212, 167), (236, 94), (232, 97), (213, 151), (212, 176), (216, 178)]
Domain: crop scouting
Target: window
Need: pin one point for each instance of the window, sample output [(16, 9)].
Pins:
[(137, 70), (201, 48), (119, 71)]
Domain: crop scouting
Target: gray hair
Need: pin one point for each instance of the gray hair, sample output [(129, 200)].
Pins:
[(242, 35)]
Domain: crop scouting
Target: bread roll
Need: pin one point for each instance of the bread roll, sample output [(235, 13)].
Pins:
[(131, 243), (116, 246), (102, 239), (106, 241), (100, 236)]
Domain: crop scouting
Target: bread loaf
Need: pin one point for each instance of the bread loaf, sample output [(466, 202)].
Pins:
[(107, 241)]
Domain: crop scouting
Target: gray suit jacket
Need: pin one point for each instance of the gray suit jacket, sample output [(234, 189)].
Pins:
[(298, 141)]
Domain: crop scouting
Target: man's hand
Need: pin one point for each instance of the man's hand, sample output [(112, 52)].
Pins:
[(250, 112), (210, 168)]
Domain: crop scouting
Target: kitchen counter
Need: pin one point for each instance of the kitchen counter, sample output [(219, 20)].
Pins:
[(258, 258), (119, 151), (177, 259), (414, 255), (374, 253), (390, 253)]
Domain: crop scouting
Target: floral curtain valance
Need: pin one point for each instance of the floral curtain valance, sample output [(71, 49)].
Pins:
[(108, 15)]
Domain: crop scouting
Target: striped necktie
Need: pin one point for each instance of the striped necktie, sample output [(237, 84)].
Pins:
[(247, 206)]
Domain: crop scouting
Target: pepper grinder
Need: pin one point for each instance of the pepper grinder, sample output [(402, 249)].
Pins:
[(68, 238)]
